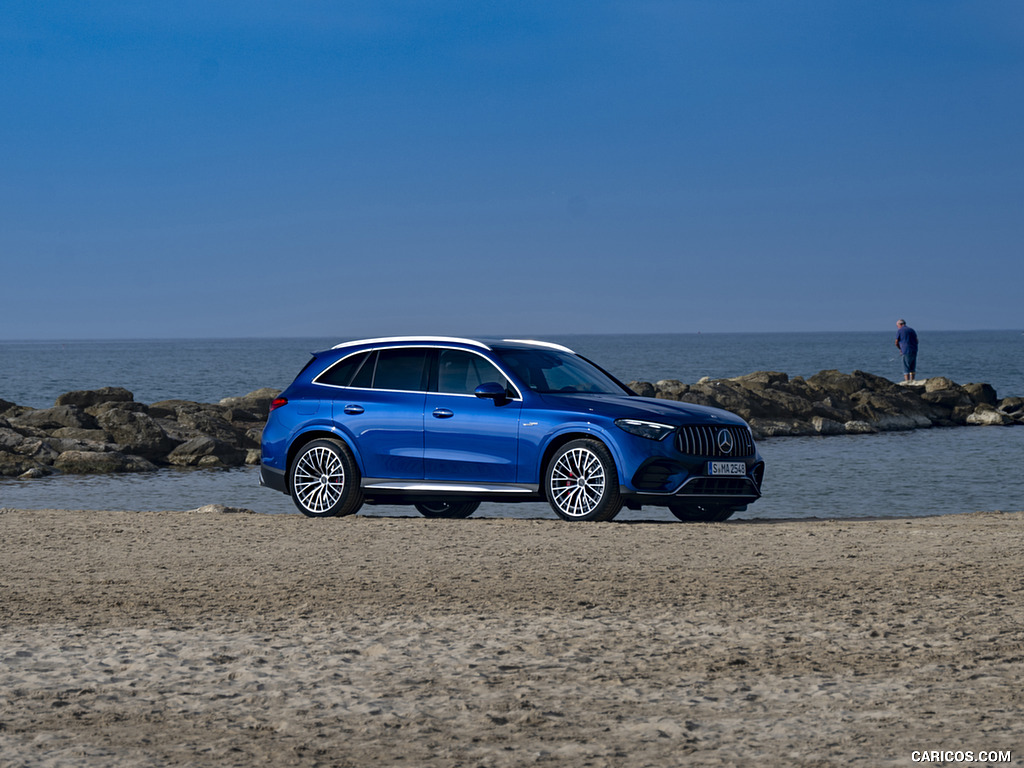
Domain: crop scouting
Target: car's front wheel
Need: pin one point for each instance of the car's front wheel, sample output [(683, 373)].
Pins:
[(701, 513), (324, 480), (582, 483), (450, 509)]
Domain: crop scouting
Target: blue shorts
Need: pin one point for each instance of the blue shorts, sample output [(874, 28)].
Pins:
[(910, 362)]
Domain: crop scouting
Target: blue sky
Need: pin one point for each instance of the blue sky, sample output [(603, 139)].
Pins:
[(361, 168)]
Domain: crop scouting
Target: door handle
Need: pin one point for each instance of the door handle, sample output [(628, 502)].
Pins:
[(352, 410), (443, 413)]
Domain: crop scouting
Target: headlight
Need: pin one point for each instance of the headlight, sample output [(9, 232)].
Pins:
[(649, 429)]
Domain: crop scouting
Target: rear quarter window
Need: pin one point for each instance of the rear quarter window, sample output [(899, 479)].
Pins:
[(341, 373)]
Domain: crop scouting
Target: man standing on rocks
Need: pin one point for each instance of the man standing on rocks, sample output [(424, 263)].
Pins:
[(906, 340)]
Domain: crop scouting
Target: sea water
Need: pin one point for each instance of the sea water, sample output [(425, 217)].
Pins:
[(900, 474)]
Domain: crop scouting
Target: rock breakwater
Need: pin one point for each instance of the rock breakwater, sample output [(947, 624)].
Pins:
[(106, 430), (834, 403)]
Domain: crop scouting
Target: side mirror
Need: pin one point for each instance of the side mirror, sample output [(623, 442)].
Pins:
[(491, 390)]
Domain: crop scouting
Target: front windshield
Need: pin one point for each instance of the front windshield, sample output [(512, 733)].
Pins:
[(551, 371)]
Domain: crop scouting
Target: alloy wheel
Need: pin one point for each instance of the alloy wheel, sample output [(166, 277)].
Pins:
[(319, 480)]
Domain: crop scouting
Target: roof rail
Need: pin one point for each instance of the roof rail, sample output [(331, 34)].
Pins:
[(536, 343), (428, 339)]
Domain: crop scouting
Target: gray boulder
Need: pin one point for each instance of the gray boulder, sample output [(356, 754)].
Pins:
[(209, 422), (55, 418), (205, 451), (99, 462), (126, 406), (84, 435), (14, 411), (35, 473), (856, 427), (982, 394), (15, 464), (1013, 406), (169, 409), (10, 438), (85, 398), (221, 509), (948, 397), (62, 444), (987, 416), (643, 388), (256, 402), (849, 383), (37, 448), (672, 389), (138, 433)]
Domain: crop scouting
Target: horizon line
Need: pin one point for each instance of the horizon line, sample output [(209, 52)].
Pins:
[(284, 337)]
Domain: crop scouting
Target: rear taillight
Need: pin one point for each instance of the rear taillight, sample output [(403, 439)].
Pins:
[(278, 402)]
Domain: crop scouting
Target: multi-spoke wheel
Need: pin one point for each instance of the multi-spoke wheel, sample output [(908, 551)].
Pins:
[(447, 508), (701, 513), (325, 480), (581, 482)]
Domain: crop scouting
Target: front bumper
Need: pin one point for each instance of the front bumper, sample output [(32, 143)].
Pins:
[(664, 480)]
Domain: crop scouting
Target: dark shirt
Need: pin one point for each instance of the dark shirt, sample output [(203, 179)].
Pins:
[(907, 339)]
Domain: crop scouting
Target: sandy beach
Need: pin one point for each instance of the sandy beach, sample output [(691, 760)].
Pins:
[(235, 639)]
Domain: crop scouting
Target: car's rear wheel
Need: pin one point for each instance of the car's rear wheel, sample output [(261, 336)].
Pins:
[(701, 513), (447, 508), (324, 480), (582, 483)]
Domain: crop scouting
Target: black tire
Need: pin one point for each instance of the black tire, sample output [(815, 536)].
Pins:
[(324, 480), (701, 513), (448, 508), (581, 482)]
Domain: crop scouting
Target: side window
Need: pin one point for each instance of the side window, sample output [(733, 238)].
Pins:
[(364, 376), (402, 369), (341, 373), (460, 372)]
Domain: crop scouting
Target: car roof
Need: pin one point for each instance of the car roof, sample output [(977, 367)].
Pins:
[(427, 340)]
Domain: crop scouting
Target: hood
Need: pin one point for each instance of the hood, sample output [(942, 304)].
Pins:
[(670, 412)]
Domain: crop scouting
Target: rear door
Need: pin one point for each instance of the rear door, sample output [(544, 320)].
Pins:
[(383, 410)]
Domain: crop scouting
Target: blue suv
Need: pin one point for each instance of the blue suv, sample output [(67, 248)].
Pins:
[(444, 424)]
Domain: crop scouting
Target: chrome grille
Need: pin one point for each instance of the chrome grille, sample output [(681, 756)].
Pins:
[(704, 440)]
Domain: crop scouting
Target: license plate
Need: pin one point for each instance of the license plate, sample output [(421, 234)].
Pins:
[(729, 468)]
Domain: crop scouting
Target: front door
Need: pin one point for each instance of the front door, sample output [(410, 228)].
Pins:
[(469, 438)]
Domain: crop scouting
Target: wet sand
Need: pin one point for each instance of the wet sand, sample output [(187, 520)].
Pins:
[(234, 639)]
